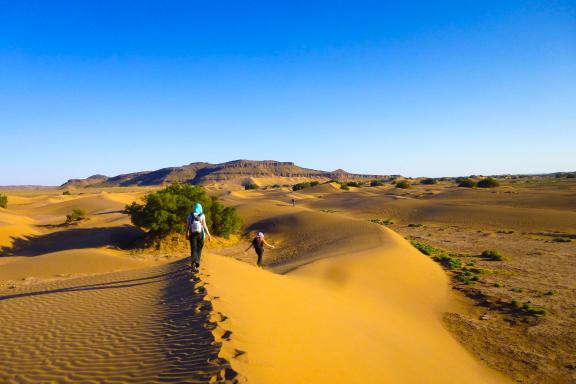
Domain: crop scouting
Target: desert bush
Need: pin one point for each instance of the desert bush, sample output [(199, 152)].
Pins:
[(376, 183), (448, 261), (382, 221), (429, 181), (402, 185), (467, 183), (3, 201), (66, 193), (166, 210), (307, 184), (276, 186), (415, 225), (488, 182), (571, 176), (345, 187), (300, 186), (75, 216), (493, 255), (425, 248), (354, 184), (562, 239), (528, 309), (249, 186)]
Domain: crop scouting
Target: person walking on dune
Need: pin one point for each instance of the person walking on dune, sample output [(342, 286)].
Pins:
[(258, 243), (196, 231)]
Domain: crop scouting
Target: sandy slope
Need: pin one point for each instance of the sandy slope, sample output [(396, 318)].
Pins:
[(369, 317), (356, 304), (146, 325)]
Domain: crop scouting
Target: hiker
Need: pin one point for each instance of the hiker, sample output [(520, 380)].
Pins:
[(196, 231), (293, 202), (258, 243)]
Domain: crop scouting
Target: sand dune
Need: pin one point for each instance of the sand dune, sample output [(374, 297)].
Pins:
[(358, 304), (351, 302), (147, 325), (370, 318)]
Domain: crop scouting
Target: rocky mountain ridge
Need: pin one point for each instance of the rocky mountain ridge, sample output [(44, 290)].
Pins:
[(237, 171)]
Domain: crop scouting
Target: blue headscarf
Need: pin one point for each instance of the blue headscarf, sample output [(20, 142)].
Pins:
[(197, 208)]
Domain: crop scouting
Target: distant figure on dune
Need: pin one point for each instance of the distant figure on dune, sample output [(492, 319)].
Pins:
[(196, 231), (293, 202), (258, 243)]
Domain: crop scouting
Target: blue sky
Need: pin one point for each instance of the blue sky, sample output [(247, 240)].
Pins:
[(420, 88)]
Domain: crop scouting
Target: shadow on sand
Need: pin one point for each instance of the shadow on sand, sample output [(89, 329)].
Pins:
[(122, 237)]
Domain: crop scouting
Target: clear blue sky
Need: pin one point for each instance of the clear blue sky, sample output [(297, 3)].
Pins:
[(420, 88)]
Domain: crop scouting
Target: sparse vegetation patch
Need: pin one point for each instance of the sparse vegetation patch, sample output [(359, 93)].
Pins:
[(493, 255), (249, 186), (466, 183), (488, 182), (3, 201), (382, 221), (75, 216), (429, 181), (308, 184), (403, 185)]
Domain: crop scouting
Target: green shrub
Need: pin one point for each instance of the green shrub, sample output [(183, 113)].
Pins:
[(166, 210), (402, 185), (66, 193), (571, 176), (429, 181), (248, 186), (466, 183), (307, 184), (354, 184), (376, 183), (3, 201), (425, 248), (299, 186), (345, 187), (276, 186), (381, 221), (493, 255), (448, 261), (488, 182), (75, 216), (415, 225)]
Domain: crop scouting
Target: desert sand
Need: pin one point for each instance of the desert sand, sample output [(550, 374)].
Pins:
[(342, 300)]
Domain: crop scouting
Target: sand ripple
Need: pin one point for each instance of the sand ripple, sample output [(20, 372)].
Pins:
[(147, 325)]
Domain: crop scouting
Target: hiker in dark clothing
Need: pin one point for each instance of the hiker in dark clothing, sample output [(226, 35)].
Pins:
[(196, 231), (258, 243)]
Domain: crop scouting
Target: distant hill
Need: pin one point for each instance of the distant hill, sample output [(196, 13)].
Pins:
[(236, 172)]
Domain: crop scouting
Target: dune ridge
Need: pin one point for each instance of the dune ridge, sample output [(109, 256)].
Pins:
[(367, 317)]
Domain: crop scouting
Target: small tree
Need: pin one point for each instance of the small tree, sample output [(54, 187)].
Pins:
[(488, 182), (402, 185), (376, 183), (166, 210), (3, 201), (66, 193), (75, 216)]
